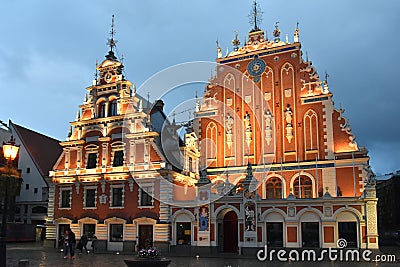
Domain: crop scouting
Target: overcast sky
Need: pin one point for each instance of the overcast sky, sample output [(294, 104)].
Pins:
[(49, 48)]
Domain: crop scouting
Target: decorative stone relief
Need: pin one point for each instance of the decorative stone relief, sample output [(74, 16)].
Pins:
[(103, 199), (267, 96), (130, 181), (328, 211), (103, 185), (288, 92), (77, 186), (291, 212)]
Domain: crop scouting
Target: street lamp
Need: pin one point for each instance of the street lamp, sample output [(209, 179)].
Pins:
[(8, 178)]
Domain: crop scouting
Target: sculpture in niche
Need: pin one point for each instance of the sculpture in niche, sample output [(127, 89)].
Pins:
[(288, 116), (229, 126), (250, 216), (289, 127), (247, 126), (268, 126)]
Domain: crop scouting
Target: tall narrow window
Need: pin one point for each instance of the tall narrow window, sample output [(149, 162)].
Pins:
[(112, 110), (274, 188), (311, 130), (102, 110), (190, 164), (91, 161), (304, 188), (145, 196), (118, 158), (90, 198), (117, 195), (211, 136), (65, 201)]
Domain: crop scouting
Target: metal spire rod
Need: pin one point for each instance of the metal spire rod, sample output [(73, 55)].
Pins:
[(111, 41)]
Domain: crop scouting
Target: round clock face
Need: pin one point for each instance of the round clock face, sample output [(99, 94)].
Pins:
[(108, 76), (256, 67)]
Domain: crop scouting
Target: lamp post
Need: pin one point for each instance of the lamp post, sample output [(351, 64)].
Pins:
[(8, 178)]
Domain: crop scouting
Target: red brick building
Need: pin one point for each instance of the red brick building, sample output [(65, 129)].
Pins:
[(280, 156)]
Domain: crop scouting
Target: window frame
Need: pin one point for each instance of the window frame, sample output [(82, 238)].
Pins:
[(147, 189), (276, 185), (117, 186), (60, 200), (120, 158), (110, 233), (86, 188), (90, 160)]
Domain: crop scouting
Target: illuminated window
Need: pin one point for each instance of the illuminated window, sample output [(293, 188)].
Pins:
[(304, 187), (274, 188)]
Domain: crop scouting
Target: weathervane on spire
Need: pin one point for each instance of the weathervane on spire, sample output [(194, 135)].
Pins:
[(255, 16), (111, 42)]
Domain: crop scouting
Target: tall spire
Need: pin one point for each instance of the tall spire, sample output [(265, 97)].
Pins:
[(111, 42), (255, 16)]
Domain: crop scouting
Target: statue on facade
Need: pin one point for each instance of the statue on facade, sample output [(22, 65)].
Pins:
[(229, 124), (288, 116)]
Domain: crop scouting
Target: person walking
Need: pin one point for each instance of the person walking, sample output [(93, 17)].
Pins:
[(72, 243), (94, 244), (84, 241), (65, 241)]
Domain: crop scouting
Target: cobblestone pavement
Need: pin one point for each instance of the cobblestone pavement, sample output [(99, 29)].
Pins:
[(40, 256)]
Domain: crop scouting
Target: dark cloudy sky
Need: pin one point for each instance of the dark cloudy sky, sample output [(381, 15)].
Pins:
[(49, 48)]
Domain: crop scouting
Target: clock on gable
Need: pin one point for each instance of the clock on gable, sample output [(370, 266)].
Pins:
[(256, 67)]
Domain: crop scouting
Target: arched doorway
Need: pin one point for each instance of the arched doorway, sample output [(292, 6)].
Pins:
[(228, 231)]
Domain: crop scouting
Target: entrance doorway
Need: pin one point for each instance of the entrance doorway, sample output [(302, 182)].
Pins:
[(348, 231), (145, 236), (310, 234), (275, 234), (61, 231), (230, 232)]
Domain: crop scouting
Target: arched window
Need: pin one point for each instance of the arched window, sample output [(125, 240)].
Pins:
[(101, 110), (311, 130), (211, 136), (304, 188), (274, 188), (112, 108)]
